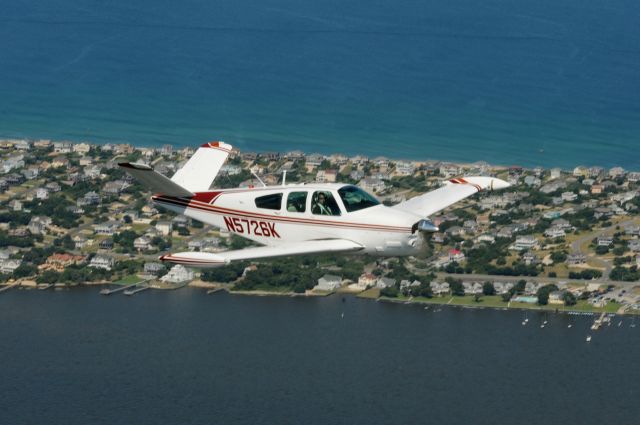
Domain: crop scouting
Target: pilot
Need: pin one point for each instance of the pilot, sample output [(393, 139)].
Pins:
[(320, 206)]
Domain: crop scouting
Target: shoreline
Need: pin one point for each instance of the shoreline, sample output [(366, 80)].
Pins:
[(212, 288)]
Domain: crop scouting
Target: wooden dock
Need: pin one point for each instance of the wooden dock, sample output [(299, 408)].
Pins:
[(107, 291), (12, 285)]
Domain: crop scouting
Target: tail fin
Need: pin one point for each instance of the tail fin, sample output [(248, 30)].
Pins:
[(202, 168)]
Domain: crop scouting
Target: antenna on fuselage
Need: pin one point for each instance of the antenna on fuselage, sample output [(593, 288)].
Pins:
[(259, 179), (284, 178)]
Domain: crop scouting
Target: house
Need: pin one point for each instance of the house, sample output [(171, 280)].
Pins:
[(42, 193), (114, 187), (205, 244), (456, 255), (366, 280), (106, 244), (79, 241), (525, 242), (108, 228), (568, 196), (82, 148), (90, 198), (486, 237), (328, 282), (178, 274), (53, 187), (62, 147), (371, 184), (604, 240), (455, 231), (556, 297), (597, 189), (8, 266), (405, 168), (326, 176), (439, 288), (58, 262), (39, 224), (385, 282), (554, 232), (153, 269), (404, 284), (530, 259), (502, 287), (142, 243), (634, 245), (15, 205), (101, 262), (472, 288), (555, 173), (164, 227)]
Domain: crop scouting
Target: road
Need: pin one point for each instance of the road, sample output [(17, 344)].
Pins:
[(576, 247), (538, 279)]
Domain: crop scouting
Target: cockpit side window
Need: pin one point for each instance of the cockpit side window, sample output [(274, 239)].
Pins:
[(297, 202), (270, 202), (323, 203), (355, 199)]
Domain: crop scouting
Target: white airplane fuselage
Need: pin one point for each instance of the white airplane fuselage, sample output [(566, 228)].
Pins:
[(381, 230)]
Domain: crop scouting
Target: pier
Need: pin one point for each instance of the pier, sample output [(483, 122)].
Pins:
[(12, 285), (136, 290), (107, 291)]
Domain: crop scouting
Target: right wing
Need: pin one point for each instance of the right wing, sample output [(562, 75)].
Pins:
[(455, 190), (207, 260)]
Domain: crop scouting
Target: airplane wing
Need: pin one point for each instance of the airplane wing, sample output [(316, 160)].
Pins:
[(453, 191), (207, 260)]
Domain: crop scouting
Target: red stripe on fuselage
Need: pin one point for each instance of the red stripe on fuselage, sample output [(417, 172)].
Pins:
[(222, 211)]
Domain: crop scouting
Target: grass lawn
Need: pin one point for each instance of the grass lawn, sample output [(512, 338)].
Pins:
[(128, 280), (370, 293)]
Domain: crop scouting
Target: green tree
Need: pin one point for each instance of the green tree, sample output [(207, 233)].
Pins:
[(488, 288)]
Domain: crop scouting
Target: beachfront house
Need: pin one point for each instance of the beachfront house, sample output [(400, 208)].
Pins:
[(328, 282), (178, 274)]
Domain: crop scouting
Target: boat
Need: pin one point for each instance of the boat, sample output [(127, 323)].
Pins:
[(588, 338)]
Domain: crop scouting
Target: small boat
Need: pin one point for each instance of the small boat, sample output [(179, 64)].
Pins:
[(569, 325), (524, 322), (342, 316), (542, 326), (620, 323), (588, 338)]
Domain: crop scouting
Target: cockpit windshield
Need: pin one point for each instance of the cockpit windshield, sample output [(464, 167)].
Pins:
[(355, 199)]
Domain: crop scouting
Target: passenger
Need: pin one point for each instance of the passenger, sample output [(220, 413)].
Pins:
[(320, 205)]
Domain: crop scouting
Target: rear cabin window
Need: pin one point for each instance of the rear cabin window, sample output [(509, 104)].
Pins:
[(269, 202), (297, 202)]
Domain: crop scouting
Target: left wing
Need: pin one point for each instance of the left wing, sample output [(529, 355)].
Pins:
[(453, 191), (206, 260)]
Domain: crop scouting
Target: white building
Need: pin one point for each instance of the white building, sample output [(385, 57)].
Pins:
[(525, 242), (328, 282), (178, 274), (102, 262)]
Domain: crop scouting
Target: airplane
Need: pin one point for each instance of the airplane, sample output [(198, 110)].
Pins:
[(296, 219)]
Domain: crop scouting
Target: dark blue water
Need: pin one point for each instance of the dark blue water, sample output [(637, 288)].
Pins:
[(532, 83), (184, 357)]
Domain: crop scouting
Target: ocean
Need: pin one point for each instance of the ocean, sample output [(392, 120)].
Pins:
[(550, 83), (76, 357)]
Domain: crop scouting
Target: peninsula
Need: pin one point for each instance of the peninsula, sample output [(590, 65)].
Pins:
[(557, 239)]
